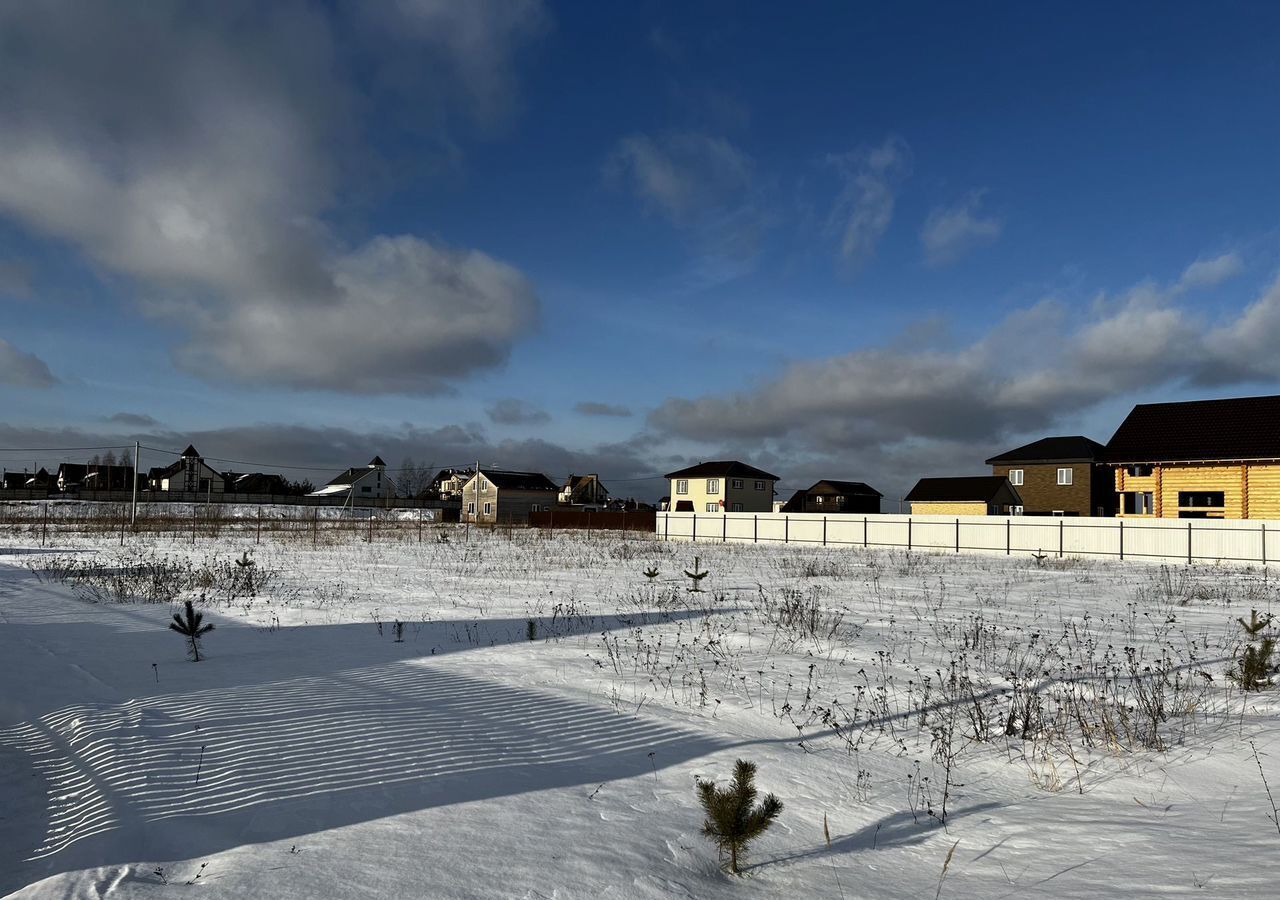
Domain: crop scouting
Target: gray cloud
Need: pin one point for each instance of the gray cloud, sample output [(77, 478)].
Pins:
[(198, 152), (952, 231), (864, 206), (1028, 373), (22, 369), (15, 280), (594, 408), (133, 420), (510, 411), (1210, 272)]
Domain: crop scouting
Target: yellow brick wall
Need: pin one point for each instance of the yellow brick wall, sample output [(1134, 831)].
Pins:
[(948, 509)]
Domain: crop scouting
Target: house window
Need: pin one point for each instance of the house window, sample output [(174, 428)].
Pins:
[(1201, 498), (818, 499), (1059, 512), (1064, 476), (484, 485), (471, 509), (736, 484), (366, 490), (712, 506), (1139, 503), (737, 507), (488, 508), (682, 486), (713, 485), (1015, 476), (1015, 510), (533, 507), (759, 485), (1139, 471)]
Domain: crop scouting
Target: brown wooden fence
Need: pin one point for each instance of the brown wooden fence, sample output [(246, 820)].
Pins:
[(611, 520)]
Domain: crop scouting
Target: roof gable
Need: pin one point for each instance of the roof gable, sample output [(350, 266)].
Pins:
[(1067, 448), (1240, 428), (518, 481)]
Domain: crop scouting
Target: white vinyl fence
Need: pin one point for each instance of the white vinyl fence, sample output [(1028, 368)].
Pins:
[(1175, 540)]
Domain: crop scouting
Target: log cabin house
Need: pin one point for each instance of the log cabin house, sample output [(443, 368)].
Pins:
[(1214, 459)]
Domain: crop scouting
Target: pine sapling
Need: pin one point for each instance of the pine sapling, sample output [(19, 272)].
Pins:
[(733, 818), (190, 626), (1256, 663), (651, 573), (696, 576)]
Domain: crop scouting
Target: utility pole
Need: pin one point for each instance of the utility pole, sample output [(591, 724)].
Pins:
[(133, 510)]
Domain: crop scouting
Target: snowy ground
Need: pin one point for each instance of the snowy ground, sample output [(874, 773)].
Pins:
[(1074, 718)]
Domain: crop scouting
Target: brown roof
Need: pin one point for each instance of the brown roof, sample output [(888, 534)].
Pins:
[(1233, 429), (723, 468), (846, 488), (519, 481), (966, 489), (1071, 448)]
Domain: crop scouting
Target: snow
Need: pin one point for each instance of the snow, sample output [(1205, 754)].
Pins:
[(311, 754)]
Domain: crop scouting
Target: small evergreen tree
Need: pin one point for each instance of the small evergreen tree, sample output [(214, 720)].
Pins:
[(733, 818), (1256, 663), (191, 628), (696, 576), (651, 573)]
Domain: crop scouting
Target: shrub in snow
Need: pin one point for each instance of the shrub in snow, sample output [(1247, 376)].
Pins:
[(190, 626), (696, 576), (733, 818), (652, 573), (1256, 663)]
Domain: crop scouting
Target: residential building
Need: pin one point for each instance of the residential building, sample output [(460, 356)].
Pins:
[(976, 495), (369, 482), (447, 484), (38, 481), (722, 486), (835, 497), (256, 483), (584, 490), (1059, 476), (1203, 459), (493, 495), (189, 474)]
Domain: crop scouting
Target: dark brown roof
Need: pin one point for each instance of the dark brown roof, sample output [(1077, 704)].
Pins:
[(1070, 448), (846, 488), (519, 481), (723, 468), (967, 489), (1234, 429)]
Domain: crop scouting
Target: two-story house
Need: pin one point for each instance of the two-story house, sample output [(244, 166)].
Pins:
[(1215, 459), (190, 474), (834, 497), (722, 486), (584, 490), (369, 482), (1059, 476), (494, 496)]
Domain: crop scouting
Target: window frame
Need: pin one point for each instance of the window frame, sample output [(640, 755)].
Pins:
[(759, 486), (1070, 476), (713, 486), (713, 506), (735, 484), (488, 507), (1016, 477), (682, 485), (1017, 510)]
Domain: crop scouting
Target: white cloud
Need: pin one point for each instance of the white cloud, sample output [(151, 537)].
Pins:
[(951, 232), (864, 207), (684, 176), (199, 151), (22, 369), (1210, 272)]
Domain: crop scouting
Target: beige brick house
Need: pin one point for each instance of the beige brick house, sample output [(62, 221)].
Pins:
[(722, 486)]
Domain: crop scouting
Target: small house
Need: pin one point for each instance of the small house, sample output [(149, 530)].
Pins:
[(369, 482), (1059, 476), (584, 490), (977, 495)]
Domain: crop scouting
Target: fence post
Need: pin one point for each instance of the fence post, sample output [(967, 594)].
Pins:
[(864, 532), (666, 526), (694, 536), (195, 511), (1008, 536), (957, 534), (824, 531), (44, 524), (315, 524), (370, 526), (1122, 539), (258, 538), (724, 528), (1264, 543), (786, 529), (1062, 525), (755, 532), (908, 533), (1188, 543)]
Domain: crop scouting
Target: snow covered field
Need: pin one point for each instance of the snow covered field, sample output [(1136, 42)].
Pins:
[(1066, 727)]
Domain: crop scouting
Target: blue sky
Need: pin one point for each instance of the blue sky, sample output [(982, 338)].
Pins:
[(856, 241)]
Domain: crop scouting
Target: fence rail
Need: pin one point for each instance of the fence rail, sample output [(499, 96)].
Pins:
[(605, 520), (1177, 540)]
